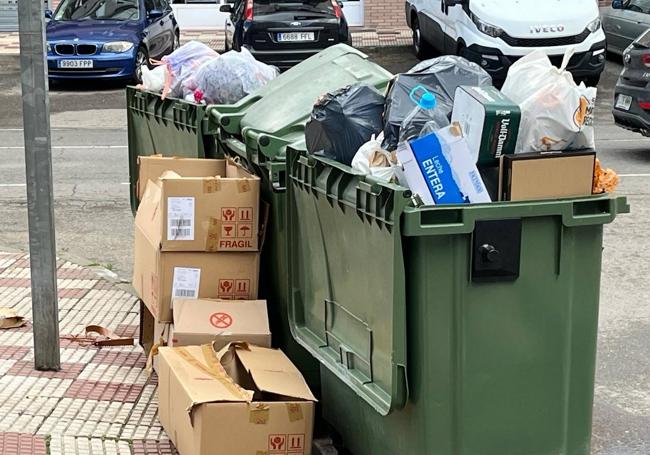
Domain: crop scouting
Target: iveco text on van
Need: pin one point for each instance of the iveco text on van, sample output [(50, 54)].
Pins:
[(496, 33)]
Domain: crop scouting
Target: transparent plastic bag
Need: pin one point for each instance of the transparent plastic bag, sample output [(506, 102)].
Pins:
[(440, 76), (232, 76), (182, 63), (556, 114)]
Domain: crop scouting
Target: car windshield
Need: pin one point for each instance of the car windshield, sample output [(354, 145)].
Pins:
[(115, 10), (306, 6)]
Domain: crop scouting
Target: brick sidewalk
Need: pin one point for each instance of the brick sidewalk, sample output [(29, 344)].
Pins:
[(102, 401), (362, 38)]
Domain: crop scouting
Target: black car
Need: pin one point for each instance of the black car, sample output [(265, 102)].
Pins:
[(285, 32), (632, 93)]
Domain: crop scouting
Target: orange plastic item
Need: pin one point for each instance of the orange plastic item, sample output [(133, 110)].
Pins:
[(605, 180)]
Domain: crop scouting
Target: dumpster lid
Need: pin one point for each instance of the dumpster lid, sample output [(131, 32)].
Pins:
[(348, 302), (283, 106)]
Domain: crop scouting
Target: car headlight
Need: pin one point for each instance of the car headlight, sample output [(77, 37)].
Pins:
[(594, 25), (484, 27), (118, 46), (49, 47)]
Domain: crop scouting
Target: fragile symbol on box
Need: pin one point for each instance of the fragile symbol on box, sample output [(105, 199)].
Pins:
[(278, 443), (228, 214), (228, 229), (226, 287)]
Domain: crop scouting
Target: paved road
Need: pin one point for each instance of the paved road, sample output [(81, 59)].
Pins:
[(94, 222)]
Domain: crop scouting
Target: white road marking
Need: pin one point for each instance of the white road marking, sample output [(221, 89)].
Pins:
[(12, 184), (60, 147), (634, 175)]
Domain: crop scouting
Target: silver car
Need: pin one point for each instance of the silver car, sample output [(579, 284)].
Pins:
[(623, 21)]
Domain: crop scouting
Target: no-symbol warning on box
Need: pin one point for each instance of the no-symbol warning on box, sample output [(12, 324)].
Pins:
[(221, 320)]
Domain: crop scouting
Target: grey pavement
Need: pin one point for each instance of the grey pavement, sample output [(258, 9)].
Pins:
[(94, 222)]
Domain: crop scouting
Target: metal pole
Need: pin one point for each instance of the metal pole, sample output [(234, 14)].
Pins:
[(38, 164)]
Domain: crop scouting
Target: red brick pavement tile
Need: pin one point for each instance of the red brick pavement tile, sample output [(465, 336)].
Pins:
[(65, 343), (150, 447), (152, 379), (127, 330), (75, 274), (122, 359), (26, 368), (12, 352), (72, 293), (21, 444), (104, 391), (15, 282)]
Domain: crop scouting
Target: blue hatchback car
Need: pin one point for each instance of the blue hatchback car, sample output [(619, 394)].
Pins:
[(108, 38)]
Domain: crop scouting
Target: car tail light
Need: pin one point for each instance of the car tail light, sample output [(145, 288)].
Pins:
[(337, 9), (645, 59), (248, 12), (644, 105)]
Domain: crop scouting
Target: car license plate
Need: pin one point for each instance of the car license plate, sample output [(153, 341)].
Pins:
[(75, 63), (623, 102), (296, 36)]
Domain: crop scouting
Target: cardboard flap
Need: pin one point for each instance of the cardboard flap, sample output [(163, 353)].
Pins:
[(148, 216), (170, 175), (271, 370), (202, 376)]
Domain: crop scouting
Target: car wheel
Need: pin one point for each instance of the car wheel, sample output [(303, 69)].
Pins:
[(177, 41), (421, 48), (591, 81), (141, 60)]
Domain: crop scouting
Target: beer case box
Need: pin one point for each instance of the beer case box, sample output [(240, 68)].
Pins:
[(489, 120), (160, 276), (546, 175), (219, 213), (153, 166), (204, 321), (257, 391)]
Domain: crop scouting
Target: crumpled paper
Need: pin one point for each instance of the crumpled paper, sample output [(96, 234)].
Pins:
[(9, 319), (605, 180)]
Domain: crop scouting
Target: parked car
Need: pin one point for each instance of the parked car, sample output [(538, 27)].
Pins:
[(285, 32), (496, 33), (623, 22), (108, 38), (632, 92)]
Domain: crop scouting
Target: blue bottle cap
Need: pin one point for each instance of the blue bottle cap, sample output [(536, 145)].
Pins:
[(427, 101)]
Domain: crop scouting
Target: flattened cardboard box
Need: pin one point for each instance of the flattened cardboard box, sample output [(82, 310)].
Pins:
[(244, 400), (152, 167), (219, 213), (158, 275), (204, 321)]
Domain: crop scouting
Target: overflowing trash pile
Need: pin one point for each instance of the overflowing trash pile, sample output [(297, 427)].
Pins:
[(445, 132), (197, 73)]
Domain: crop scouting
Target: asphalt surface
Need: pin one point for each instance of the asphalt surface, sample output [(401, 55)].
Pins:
[(94, 221)]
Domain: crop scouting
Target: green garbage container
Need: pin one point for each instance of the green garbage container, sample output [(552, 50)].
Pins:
[(258, 130), (446, 330), (169, 127)]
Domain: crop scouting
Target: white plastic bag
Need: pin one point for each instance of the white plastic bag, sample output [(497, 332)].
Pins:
[(154, 79), (556, 114), (371, 159)]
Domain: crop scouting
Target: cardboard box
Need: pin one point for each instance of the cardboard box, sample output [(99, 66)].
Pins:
[(153, 334), (218, 213), (530, 176), (152, 167), (158, 275), (244, 400), (439, 168), (490, 122), (203, 321)]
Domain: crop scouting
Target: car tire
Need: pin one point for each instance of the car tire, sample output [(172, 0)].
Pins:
[(177, 41), (141, 59), (591, 81), (421, 48)]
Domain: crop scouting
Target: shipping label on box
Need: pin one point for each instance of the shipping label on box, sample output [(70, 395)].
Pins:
[(489, 120), (199, 391)]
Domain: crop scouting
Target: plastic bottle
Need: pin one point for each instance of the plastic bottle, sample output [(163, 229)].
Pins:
[(424, 113)]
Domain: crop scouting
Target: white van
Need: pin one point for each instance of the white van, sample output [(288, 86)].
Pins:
[(496, 33)]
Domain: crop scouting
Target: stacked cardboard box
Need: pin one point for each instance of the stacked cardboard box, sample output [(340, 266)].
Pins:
[(197, 242)]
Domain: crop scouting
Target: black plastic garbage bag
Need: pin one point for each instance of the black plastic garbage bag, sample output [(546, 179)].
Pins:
[(440, 76), (344, 120)]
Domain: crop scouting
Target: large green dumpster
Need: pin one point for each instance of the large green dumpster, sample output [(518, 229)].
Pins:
[(446, 330), (258, 130), (171, 127)]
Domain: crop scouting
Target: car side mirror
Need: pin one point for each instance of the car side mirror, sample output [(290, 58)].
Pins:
[(48, 14), (155, 14), (617, 4), (226, 8), (449, 3)]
